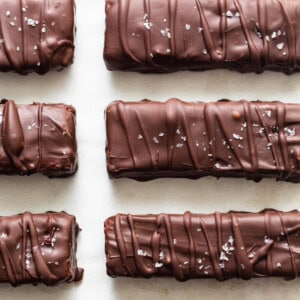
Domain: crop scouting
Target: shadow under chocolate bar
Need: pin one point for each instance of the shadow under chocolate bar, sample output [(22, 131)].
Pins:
[(148, 139), (221, 245), (36, 35), (37, 138), (39, 248), (167, 36)]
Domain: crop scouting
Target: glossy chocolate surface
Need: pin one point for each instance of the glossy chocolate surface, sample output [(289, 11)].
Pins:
[(171, 35), (36, 35), (37, 138), (148, 139), (220, 245), (38, 248)]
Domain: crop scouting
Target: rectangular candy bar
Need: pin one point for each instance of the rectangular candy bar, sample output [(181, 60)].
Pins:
[(166, 36), (37, 138), (147, 139), (38, 248), (36, 35), (220, 245)]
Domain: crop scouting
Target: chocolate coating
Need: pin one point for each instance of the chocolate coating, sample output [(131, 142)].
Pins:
[(149, 139), (221, 245), (37, 138), (38, 248), (171, 35), (36, 35)]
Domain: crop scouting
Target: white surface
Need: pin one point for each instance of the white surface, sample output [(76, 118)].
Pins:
[(92, 197)]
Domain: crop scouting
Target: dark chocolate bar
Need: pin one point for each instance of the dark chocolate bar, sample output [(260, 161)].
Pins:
[(36, 35), (171, 35), (148, 139), (221, 245), (37, 138), (38, 248)]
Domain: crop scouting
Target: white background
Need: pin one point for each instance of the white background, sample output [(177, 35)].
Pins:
[(92, 197)]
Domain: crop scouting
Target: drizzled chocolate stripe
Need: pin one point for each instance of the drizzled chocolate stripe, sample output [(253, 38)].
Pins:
[(166, 36), (38, 248), (36, 35), (220, 245), (37, 138), (148, 139)]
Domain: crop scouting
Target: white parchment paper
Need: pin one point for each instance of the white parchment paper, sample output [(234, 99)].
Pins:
[(92, 197)]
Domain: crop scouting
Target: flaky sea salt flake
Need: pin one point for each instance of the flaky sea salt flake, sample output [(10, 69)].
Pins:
[(161, 255), (223, 256), (237, 137), (155, 140), (290, 131), (141, 252), (166, 33), (268, 113), (158, 265), (274, 35), (148, 25), (229, 14), (280, 46)]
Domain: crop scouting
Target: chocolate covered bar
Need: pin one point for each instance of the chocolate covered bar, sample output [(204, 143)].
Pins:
[(148, 139), (166, 36), (37, 138), (38, 248), (36, 35), (221, 245)]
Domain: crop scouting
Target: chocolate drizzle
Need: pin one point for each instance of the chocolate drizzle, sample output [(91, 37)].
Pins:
[(38, 138), (220, 245), (148, 139), (151, 36), (26, 258), (12, 133), (36, 36)]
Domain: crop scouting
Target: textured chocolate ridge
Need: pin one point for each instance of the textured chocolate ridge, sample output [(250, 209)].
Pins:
[(37, 138), (221, 245), (38, 248), (36, 35), (171, 35), (149, 139)]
